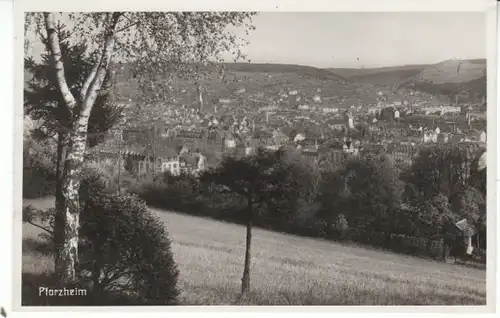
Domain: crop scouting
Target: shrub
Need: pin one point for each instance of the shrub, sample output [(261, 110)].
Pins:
[(126, 250)]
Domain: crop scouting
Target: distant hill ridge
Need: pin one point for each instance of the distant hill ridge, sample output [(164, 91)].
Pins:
[(451, 71), (451, 77), (378, 75), (285, 68)]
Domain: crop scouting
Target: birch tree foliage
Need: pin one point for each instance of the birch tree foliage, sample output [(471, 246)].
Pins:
[(159, 45), (153, 44), (43, 102)]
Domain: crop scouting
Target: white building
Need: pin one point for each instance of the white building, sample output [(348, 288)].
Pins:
[(202, 163), (272, 147), (230, 143), (330, 110), (299, 137), (430, 136), (173, 166), (482, 136), (350, 122), (248, 151)]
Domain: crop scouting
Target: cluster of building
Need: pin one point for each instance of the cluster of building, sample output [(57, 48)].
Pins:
[(188, 140)]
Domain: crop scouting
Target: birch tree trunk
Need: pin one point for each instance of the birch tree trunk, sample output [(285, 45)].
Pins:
[(59, 217), (68, 205)]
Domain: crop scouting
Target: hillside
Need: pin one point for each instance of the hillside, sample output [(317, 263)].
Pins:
[(385, 76), (284, 68), (335, 86), (264, 82), (465, 78), (452, 71)]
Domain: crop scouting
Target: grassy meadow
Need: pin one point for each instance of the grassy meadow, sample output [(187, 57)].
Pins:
[(287, 270)]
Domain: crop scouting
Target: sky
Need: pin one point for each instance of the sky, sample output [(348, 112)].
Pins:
[(365, 39)]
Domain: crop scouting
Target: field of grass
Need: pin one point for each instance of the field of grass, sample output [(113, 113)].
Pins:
[(290, 270)]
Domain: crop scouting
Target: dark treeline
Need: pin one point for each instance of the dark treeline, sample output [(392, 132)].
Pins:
[(364, 200)]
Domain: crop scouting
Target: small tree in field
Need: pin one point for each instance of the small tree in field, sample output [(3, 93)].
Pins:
[(156, 45), (261, 178)]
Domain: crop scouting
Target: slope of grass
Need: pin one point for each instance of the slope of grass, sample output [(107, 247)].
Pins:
[(388, 76), (452, 71), (284, 69), (444, 78), (290, 270), (453, 77)]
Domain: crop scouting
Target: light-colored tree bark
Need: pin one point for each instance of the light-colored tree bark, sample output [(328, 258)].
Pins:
[(67, 202)]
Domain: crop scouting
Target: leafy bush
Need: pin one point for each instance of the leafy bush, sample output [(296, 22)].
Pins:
[(361, 200), (365, 190), (170, 196), (125, 249)]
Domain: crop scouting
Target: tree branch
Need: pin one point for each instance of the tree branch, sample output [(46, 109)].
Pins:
[(109, 41), (55, 51), (89, 80), (40, 227), (128, 27)]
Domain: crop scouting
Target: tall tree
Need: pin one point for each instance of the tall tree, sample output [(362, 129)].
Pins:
[(262, 178), (437, 169), (365, 190), (43, 102), (158, 44)]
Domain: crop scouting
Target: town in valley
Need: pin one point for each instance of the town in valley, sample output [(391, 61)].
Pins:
[(244, 158)]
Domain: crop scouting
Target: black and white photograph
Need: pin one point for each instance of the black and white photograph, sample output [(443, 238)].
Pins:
[(254, 158)]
